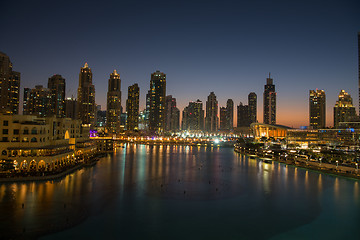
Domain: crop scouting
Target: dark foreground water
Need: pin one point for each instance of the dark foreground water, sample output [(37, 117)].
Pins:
[(179, 192)]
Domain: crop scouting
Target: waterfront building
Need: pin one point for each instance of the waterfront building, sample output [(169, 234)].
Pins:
[(132, 108), (9, 86), (344, 111), (229, 115), (101, 118), (37, 102), (46, 144), (193, 117), (113, 103), (156, 102), (56, 86), (211, 119), (252, 102), (262, 130), (243, 118), (142, 121), (86, 96), (269, 102), (317, 108), (70, 108)]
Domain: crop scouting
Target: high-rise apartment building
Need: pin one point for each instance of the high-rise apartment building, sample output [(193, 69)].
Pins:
[(70, 108), (229, 115), (223, 119), (37, 101), (56, 86), (113, 110), (9, 86), (243, 115), (86, 96), (172, 114), (211, 119), (193, 117), (156, 102), (252, 102), (317, 108), (269, 102), (344, 109), (359, 67), (132, 108)]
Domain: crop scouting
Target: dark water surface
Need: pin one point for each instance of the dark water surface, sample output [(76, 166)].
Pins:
[(180, 192)]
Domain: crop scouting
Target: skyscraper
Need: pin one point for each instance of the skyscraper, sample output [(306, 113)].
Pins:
[(243, 117), (359, 67), (193, 117), (252, 102), (156, 100), (223, 119), (211, 119), (317, 102), (86, 96), (229, 114), (172, 114), (132, 108), (113, 110), (56, 86), (70, 108), (344, 109), (9, 86), (269, 102), (37, 101)]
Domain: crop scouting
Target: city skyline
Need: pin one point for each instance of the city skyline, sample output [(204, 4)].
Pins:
[(226, 48)]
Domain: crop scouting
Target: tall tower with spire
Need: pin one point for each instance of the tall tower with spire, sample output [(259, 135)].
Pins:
[(113, 112), (269, 102), (86, 96)]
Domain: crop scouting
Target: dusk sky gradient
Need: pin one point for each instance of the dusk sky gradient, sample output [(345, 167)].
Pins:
[(228, 47)]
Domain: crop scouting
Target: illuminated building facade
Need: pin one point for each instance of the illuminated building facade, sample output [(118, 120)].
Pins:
[(193, 117), (156, 102), (56, 86), (261, 130), (86, 96), (113, 112), (317, 108), (269, 102), (42, 144), (132, 108), (172, 120), (252, 102), (9, 86), (37, 101), (344, 109), (211, 119)]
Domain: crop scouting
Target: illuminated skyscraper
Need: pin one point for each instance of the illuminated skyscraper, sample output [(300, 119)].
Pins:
[(56, 86), (113, 111), (269, 102), (211, 119), (37, 101), (172, 114), (70, 108), (193, 117), (86, 96), (9, 86), (252, 102), (317, 107), (344, 109), (156, 102), (132, 108)]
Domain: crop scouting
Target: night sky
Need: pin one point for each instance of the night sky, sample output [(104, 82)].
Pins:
[(228, 47)]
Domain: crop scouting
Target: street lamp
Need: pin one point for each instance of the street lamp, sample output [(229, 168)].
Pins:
[(337, 163), (357, 167)]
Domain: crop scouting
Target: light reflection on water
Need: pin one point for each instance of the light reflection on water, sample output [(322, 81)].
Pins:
[(151, 191)]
